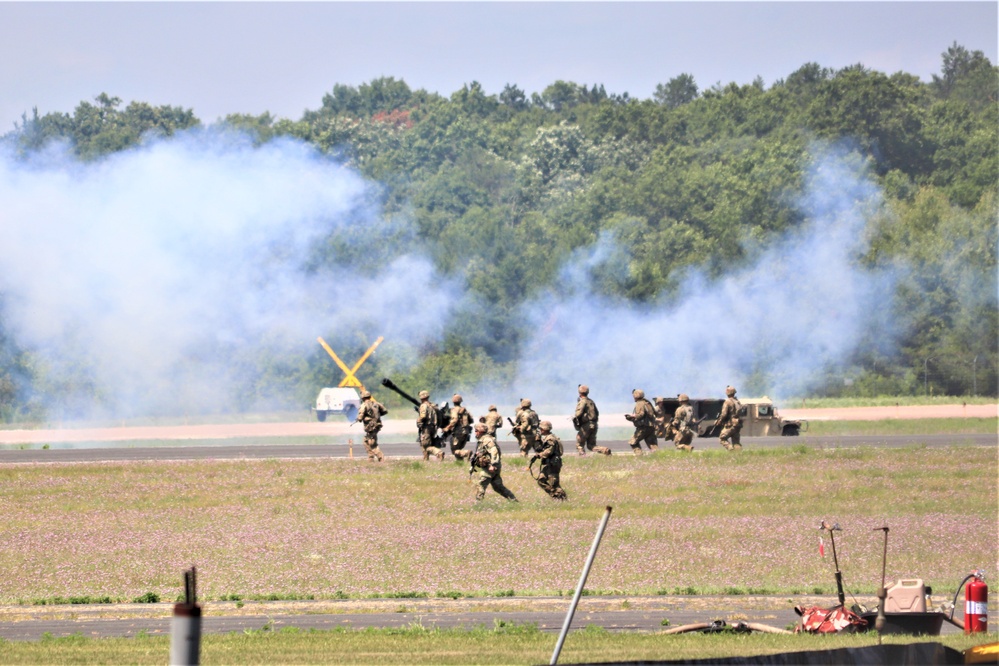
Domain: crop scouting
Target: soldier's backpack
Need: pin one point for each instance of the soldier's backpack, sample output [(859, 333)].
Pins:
[(533, 421)]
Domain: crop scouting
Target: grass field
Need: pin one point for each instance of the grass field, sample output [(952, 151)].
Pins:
[(416, 645), (706, 523), (958, 426)]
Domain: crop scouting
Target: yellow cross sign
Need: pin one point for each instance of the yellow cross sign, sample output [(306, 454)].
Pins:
[(349, 378)]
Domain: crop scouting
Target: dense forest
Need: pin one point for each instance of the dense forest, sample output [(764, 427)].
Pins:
[(500, 191)]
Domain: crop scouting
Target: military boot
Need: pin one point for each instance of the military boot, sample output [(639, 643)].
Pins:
[(426, 455), (602, 450), (653, 448), (736, 447)]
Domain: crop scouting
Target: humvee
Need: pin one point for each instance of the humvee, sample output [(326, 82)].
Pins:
[(759, 417), (341, 400)]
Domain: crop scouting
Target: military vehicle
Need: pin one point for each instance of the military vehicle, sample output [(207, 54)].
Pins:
[(341, 400), (759, 417)]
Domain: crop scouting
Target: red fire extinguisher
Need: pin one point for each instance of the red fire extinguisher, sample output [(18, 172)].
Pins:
[(976, 600)]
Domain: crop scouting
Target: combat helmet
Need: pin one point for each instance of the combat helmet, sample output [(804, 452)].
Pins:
[(638, 394), (424, 395), (546, 426), (584, 389), (730, 391), (456, 398), (525, 403), (492, 408), (683, 397), (365, 394)]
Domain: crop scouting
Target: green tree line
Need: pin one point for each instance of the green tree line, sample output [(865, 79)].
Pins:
[(502, 187)]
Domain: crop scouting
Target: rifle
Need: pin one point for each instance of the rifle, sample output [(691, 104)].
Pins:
[(515, 428), (471, 459)]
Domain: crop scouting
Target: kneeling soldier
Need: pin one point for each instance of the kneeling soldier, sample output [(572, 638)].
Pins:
[(549, 451), (487, 462)]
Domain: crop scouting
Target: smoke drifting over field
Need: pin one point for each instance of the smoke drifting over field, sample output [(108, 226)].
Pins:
[(802, 307), (157, 274), (154, 278)]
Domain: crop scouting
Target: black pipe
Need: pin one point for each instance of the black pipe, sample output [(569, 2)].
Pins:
[(391, 385)]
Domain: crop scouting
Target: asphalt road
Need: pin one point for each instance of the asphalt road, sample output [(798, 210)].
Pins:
[(176, 451), (612, 613)]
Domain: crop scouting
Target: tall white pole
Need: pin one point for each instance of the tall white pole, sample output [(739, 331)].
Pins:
[(580, 585)]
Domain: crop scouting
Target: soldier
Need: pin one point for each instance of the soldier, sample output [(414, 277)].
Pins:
[(585, 421), (644, 418), (493, 421), (664, 421), (426, 423), (370, 414), (460, 428), (683, 418), (549, 451), (514, 430), (527, 426), (487, 462), (731, 424)]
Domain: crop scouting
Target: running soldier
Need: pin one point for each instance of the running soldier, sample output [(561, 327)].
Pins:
[(731, 424), (585, 421), (426, 423), (459, 428), (493, 421), (549, 451), (644, 418), (487, 463), (681, 424), (370, 415), (527, 426)]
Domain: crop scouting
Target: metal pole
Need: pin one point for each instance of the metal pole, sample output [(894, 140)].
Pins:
[(185, 628), (579, 586)]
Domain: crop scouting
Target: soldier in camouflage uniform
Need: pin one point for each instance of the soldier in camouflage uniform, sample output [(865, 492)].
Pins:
[(493, 421), (459, 428), (585, 421), (644, 418), (515, 431), (426, 423), (681, 424), (549, 451), (731, 424), (487, 463), (527, 426), (664, 420), (370, 415)]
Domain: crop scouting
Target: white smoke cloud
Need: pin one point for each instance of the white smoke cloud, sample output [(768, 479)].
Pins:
[(148, 272), (803, 306)]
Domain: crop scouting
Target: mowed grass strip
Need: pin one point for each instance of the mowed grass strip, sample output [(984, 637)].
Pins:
[(704, 523), (944, 426), (418, 645)]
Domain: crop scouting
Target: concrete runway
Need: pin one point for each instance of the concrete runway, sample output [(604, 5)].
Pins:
[(109, 452)]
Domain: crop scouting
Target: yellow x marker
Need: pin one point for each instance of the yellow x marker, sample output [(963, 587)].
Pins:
[(350, 379)]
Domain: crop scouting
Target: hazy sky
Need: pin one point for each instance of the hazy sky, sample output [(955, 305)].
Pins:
[(234, 57)]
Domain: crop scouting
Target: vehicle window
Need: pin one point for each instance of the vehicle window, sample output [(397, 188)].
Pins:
[(763, 410)]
